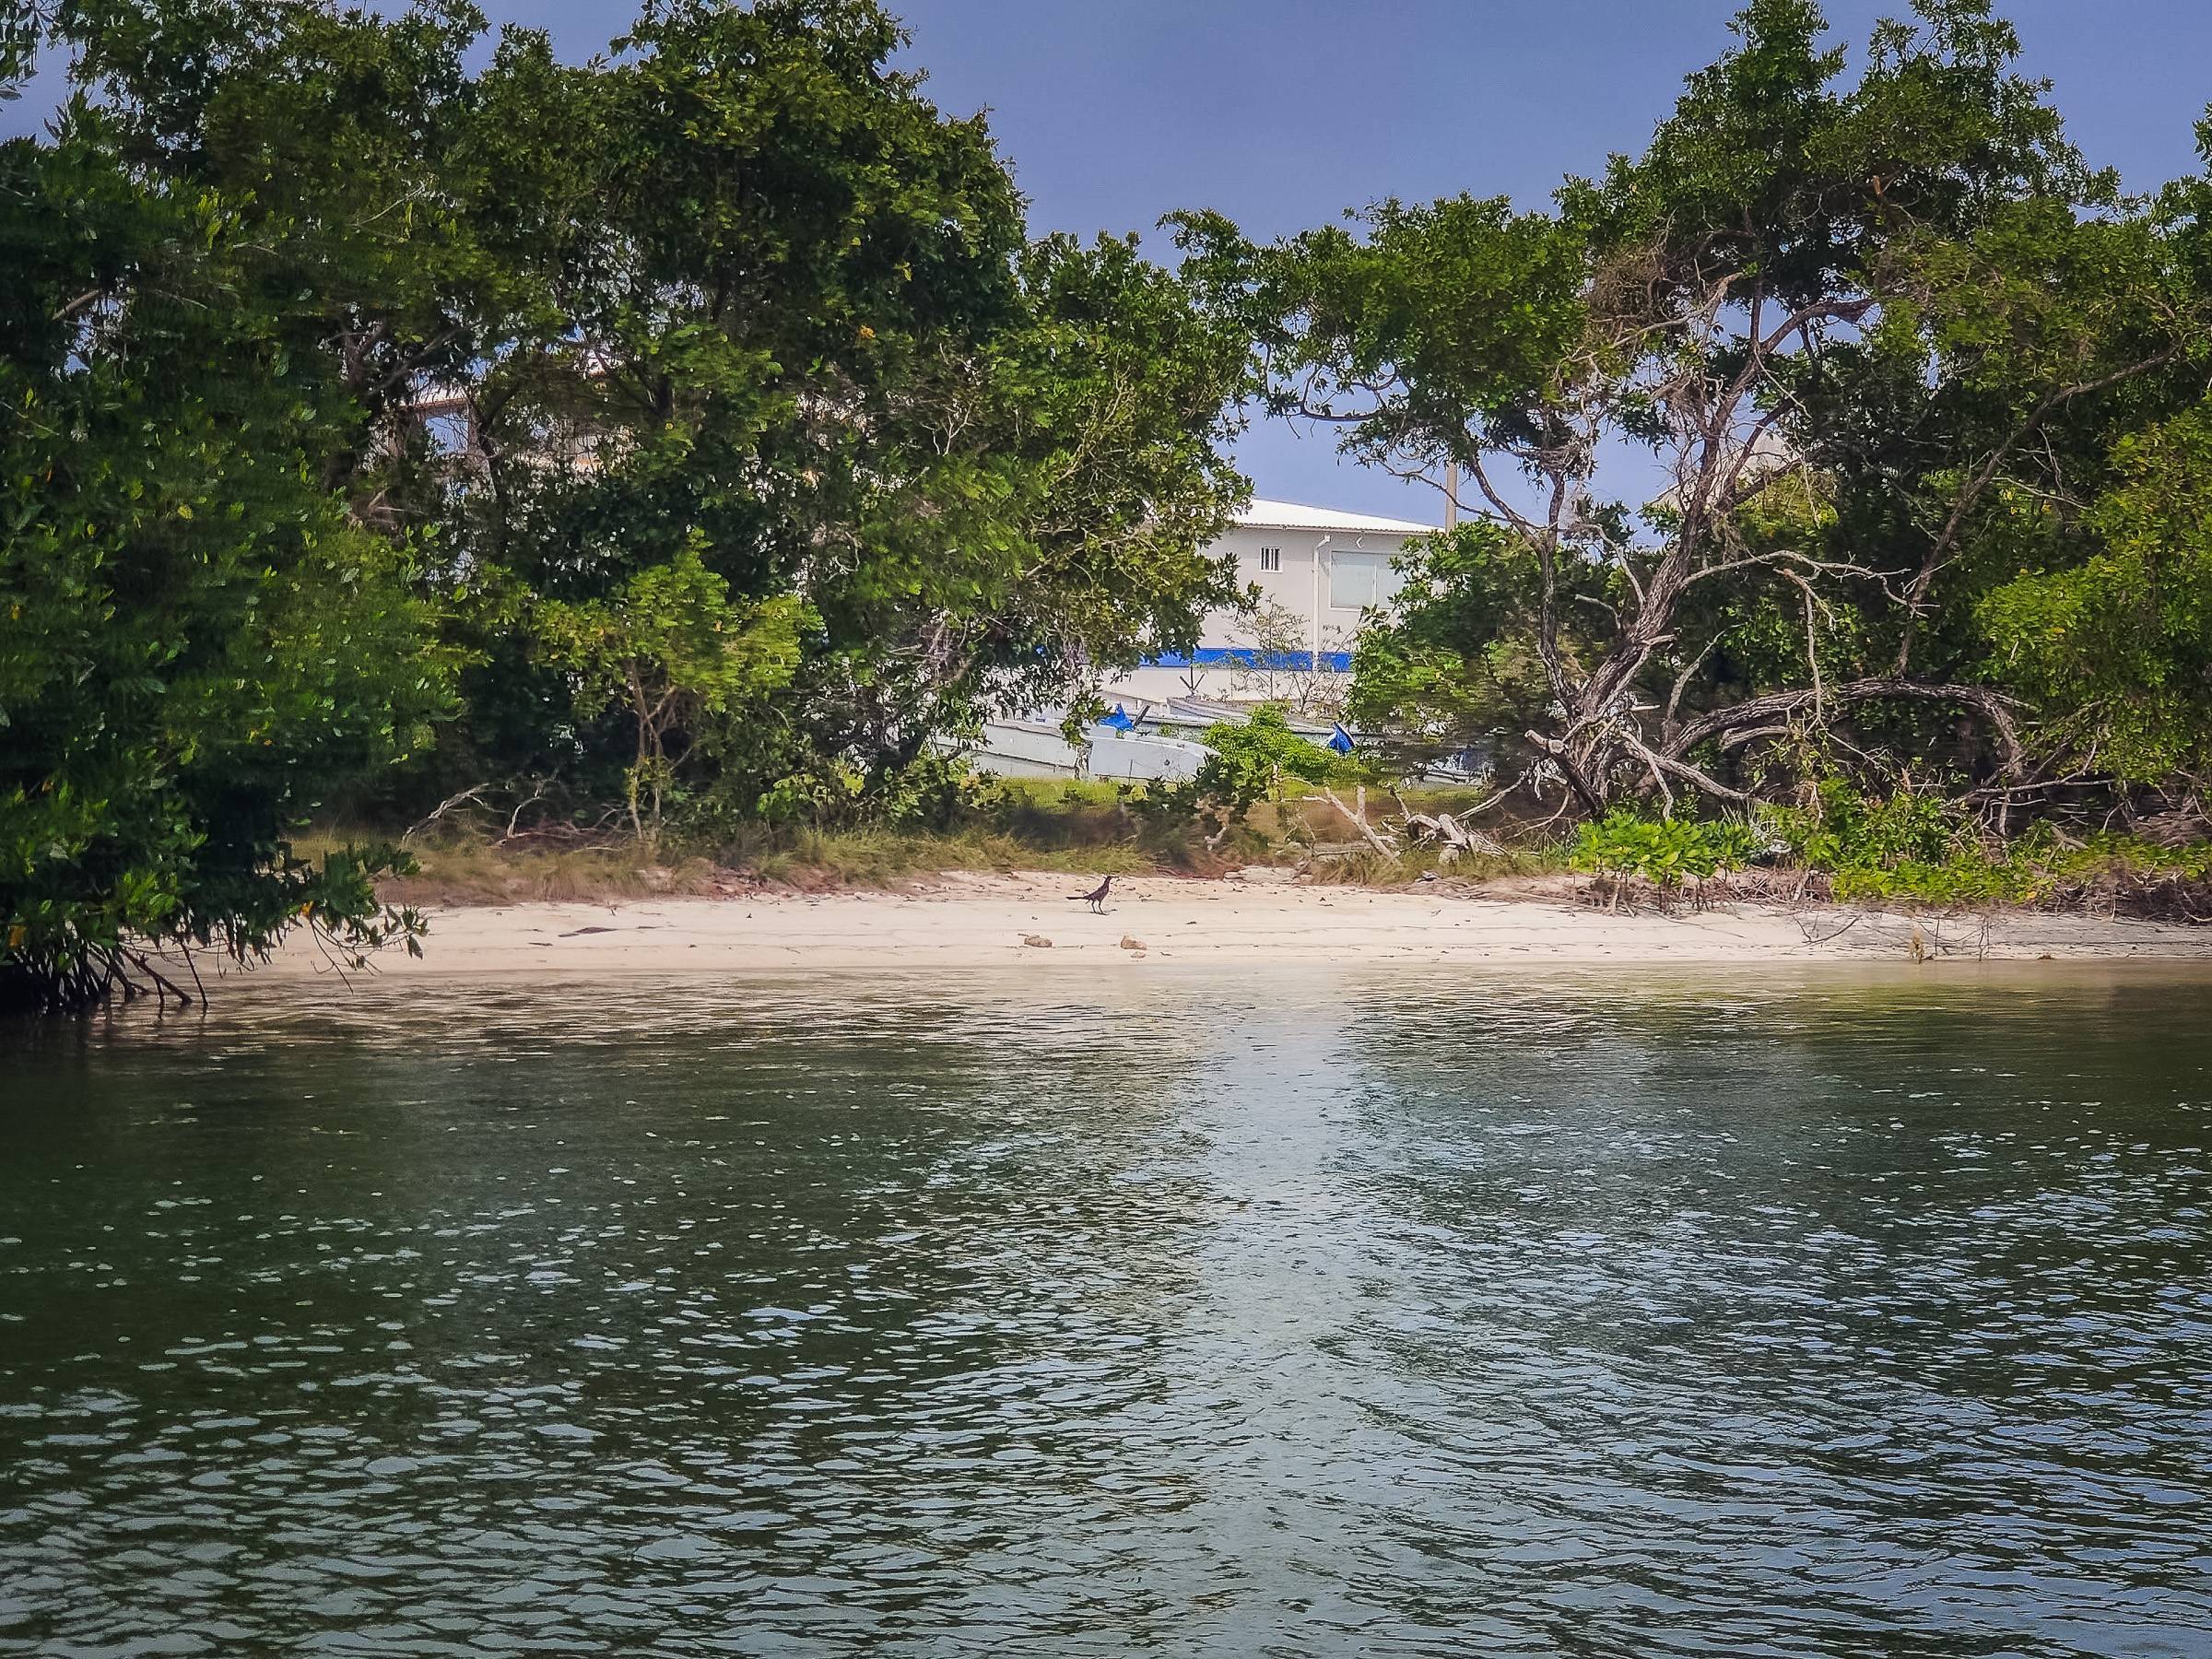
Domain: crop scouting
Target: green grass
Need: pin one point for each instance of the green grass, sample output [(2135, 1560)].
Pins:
[(1050, 792), (1084, 829), (1018, 824), (463, 867), (1074, 828), (882, 857)]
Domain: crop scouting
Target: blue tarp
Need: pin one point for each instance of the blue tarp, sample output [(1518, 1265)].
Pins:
[(1119, 720), (1341, 741)]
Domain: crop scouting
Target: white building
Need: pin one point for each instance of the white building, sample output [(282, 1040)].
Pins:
[(1316, 569)]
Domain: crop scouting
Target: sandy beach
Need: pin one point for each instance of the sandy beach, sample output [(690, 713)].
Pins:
[(1259, 919)]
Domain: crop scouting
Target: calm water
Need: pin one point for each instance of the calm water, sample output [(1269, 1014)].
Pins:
[(1218, 1316)]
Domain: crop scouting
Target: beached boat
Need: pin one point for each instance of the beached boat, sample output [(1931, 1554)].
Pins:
[(1039, 749)]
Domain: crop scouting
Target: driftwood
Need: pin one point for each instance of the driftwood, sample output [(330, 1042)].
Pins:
[(1448, 831), (1331, 851), (473, 796), (2173, 830), (1373, 836), (1423, 828), (479, 795)]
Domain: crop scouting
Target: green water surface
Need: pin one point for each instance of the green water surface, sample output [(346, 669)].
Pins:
[(1214, 1314)]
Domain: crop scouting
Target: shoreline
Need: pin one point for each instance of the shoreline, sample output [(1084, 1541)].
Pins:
[(961, 920)]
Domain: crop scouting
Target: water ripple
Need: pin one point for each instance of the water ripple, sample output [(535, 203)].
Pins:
[(1284, 1316)]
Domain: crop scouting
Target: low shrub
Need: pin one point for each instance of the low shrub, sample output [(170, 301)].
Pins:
[(1661, 851), (1914, 848)]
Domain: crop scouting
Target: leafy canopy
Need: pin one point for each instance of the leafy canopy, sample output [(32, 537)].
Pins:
[(197, 642), (1819, 434)]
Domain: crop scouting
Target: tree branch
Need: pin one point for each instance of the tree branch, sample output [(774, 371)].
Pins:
[(1997, 710)]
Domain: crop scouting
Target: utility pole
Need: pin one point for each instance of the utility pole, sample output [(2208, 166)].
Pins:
[(1451, 495)]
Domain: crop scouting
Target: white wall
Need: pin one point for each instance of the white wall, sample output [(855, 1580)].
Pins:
[(1353, 572), (1326, 586)]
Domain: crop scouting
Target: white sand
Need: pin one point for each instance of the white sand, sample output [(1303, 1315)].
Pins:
[(963, 922)]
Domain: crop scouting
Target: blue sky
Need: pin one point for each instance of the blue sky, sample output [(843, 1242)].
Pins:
[(1282, 114)]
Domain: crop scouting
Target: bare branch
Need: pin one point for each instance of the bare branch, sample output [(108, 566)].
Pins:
[(1997, 710)]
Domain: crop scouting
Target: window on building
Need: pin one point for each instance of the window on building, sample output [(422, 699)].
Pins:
[(1359, 579), (1271, 559)]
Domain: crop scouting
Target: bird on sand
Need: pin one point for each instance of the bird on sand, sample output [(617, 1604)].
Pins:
[(1096, 898)]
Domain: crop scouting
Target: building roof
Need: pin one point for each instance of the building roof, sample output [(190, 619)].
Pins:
[(1290, 515)]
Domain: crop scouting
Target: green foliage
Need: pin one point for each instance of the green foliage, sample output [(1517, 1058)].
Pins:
[(1661, 851), (934, 791), (2036, 869), (2121, 643), (1475, 301), (702, 406), (669, 646), (739, 287), (1957, 883), (1845, 830), (697, 425), (1455, 659), (1252, 760), (1914, 848), (196, 640), (1895, 349), (1905, 846)]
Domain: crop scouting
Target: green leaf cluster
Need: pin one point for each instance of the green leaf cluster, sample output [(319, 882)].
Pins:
[(1252, 759), (1661, 851), (737, 292), (198, 644), (1855, 418), (388, 407)]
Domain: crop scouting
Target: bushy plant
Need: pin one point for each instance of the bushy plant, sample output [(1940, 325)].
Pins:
[(1251, 758), (1914, 849), (1661, 851), (1904, 846), (1843, 830), (198, 642), (934, 790)]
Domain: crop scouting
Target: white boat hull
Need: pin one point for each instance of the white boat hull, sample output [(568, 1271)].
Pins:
[(1022, 749)]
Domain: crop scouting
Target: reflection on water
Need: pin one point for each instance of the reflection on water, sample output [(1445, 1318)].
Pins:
[(1254, 1315)]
